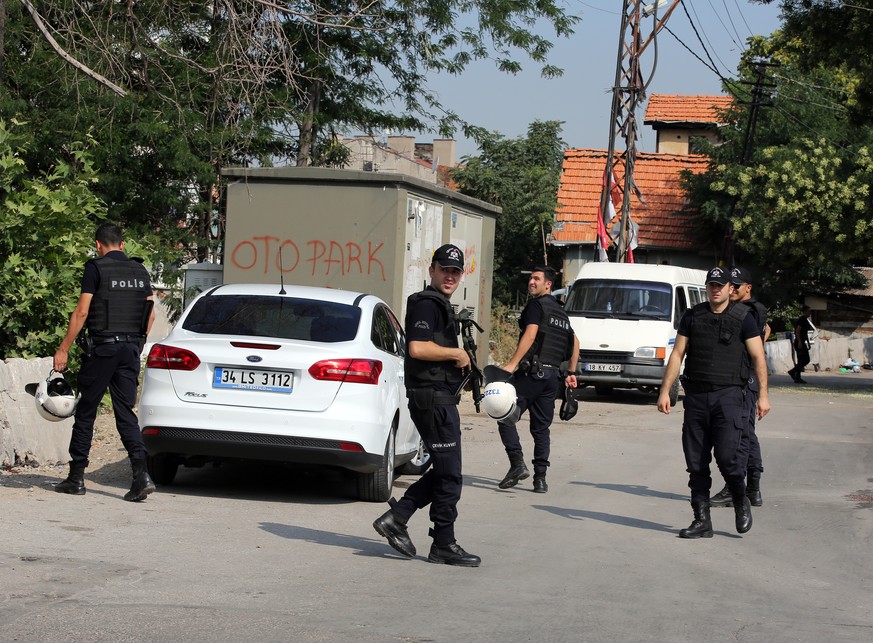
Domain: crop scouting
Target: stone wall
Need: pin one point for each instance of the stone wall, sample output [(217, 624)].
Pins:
[(828, 353), (25, 437)]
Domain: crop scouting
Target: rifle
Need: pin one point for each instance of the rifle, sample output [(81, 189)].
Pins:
[(474, 377)]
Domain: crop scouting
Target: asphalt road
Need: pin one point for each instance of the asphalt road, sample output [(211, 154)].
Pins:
[(262, 553)]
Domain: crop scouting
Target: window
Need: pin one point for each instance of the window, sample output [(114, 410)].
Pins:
[(274, 316), (681, 305), (383, 333), (620, 299)]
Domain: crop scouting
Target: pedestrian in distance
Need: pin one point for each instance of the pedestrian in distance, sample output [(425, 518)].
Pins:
[(434, 372), (721, 345), (803, 332), (741, 279), (110, 323), (546, 341)]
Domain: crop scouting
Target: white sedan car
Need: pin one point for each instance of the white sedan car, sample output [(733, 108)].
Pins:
[(294, 374)]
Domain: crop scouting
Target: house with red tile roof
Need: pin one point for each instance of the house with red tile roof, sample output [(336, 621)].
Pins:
[(665, 229), (676, 119)]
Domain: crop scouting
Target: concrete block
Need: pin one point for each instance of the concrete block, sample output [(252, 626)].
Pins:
[(25, 437)]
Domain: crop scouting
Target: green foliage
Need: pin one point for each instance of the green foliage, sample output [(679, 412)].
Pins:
[(797, 192), (46, 229), (520, 175), (215, 85)]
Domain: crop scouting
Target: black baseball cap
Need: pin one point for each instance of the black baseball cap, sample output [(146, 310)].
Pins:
[(449, 256), (740, 276), (718, 275)]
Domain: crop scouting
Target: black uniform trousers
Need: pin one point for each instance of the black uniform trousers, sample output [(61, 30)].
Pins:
[(115, 366), (756, 462), (536, 394), (716, 421), (440, 487), (803, 358)]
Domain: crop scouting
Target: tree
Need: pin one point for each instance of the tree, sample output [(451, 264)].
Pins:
[(795, 192), (836, 35), (520, 175), (46, 230), (175, 90)]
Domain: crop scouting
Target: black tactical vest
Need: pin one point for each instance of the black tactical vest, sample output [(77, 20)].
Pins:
[(759, 310), (554, 340), (716, 355), (421, 373), (118, 306)]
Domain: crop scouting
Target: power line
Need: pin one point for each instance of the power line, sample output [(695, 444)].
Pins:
[(724, 26), (740, 11), (697, 33), (728, 83)]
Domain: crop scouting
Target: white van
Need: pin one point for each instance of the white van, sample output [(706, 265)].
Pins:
[(625, 316)]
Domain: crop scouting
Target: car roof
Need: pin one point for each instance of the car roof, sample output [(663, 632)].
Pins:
[(348, 297)]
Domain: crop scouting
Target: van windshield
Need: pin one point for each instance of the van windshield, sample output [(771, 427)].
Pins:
[(620, 298)]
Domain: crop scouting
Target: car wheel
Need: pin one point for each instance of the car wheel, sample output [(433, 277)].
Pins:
[(162, 467), (674, 393), (419, 463), (376, 486), (603, 390)]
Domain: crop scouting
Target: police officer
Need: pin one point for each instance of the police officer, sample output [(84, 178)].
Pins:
[(803, 332), (742, 293), (115, 309), (718, 339), (434, 371), (546, 341)]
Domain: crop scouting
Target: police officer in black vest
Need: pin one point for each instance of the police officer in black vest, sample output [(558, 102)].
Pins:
[(721, 345), (115, 308), (742, 293), (546, 341), (434, 372)]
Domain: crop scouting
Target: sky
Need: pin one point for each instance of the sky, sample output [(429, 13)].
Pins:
[(581, 98)]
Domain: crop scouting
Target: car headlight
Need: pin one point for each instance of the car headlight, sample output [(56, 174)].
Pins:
[(651, 352)]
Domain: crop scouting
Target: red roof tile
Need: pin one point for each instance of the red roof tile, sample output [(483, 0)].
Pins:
[(670, 108), (661, 220)]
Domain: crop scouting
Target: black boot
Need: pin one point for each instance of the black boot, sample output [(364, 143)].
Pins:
[(74, 484), (722, 499), (391, 527), (753, 488), (743, 512), (539, 483), (452, 554), (702, 525), (142, 484), (517, 470)]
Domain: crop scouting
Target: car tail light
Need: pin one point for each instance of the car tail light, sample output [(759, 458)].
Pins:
[(360, 371), (266, 347), (172, 358)]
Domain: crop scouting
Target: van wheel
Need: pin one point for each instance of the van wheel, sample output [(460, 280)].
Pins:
[(674, 393), (603, 390)]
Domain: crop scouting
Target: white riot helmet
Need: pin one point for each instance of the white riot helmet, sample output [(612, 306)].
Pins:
[(499, 399), (55, 398)]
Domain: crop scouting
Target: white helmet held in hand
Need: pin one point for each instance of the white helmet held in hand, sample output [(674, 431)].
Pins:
[(499, 399), (55, 398)]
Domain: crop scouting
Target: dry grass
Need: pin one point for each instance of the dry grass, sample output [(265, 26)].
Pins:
[(504, 334)]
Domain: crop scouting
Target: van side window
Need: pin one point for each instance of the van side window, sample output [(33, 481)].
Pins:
[(681, 305)]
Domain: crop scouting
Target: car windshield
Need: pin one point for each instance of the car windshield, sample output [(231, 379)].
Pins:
[(273, 316), (620, 299)]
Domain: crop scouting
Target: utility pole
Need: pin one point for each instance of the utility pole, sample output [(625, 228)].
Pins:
[(760, 98), (628, 92)]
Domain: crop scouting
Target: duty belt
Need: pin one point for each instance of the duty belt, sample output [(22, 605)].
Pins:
[(117, 339)]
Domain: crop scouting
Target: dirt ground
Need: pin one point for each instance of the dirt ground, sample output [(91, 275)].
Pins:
[(108, 459)]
